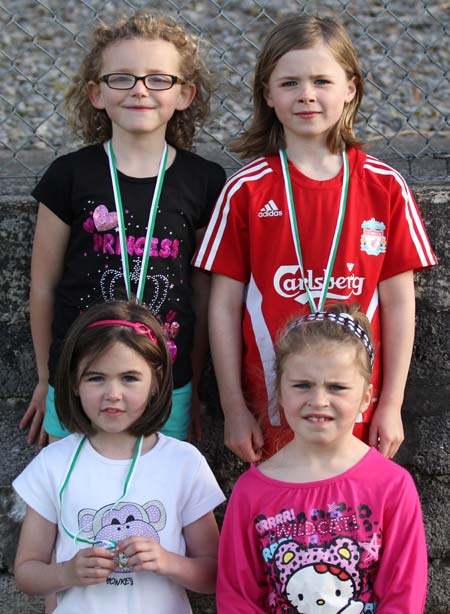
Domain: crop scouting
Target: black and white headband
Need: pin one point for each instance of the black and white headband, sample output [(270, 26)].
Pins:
[(342, 319)]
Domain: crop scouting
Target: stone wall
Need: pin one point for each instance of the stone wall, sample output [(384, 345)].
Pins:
[(426, 452)]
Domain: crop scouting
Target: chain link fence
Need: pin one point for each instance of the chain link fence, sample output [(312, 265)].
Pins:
[(403, 45)]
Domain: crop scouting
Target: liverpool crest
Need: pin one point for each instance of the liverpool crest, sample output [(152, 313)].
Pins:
[(373, 241)]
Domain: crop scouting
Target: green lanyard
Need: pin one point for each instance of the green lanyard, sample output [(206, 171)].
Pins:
[(110, 544), (150, 224), (296, 236)]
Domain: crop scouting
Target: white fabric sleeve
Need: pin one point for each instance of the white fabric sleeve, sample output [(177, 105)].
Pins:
[(34, 485), (203, 493)]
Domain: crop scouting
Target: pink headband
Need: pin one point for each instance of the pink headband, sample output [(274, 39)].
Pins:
[(138, 327)]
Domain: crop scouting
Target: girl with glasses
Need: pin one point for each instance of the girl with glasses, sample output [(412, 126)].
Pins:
[(122, 216)]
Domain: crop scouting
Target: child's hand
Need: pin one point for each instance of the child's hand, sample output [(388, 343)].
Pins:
[(243, 435), (147, 554), (386, 430), (35, 414), (89, 566)]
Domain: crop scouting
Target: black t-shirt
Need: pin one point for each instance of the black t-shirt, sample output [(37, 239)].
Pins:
[(77, 188)]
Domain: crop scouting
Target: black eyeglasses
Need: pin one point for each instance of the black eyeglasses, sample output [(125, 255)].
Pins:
[(124, 81)]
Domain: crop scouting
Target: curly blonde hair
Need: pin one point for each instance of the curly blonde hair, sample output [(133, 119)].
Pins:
[(265, 135), (93, 125)]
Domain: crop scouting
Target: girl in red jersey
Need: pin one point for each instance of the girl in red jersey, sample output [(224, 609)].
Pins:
[(313, 219)]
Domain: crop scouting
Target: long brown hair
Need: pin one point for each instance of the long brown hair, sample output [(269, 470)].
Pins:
[(265, 136), (94, 125)]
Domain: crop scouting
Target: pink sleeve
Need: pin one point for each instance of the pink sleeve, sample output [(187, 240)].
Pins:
[(401, 581), (240, 579)]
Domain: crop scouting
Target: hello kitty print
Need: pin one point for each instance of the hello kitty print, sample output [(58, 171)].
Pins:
[(315, 563)]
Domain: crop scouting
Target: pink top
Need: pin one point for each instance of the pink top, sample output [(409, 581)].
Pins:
[(351, 544)]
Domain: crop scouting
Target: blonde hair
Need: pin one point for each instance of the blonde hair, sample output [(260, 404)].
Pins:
[(295, 339), (94, 125), (265, 136)]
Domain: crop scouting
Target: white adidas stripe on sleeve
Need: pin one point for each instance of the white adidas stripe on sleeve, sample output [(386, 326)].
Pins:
[(416, 228), (219, 216)]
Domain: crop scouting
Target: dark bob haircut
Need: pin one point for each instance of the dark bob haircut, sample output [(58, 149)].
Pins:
[(89, 343)]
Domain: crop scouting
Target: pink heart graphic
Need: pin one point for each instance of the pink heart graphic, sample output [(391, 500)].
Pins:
[(103, 219), (88, 225)]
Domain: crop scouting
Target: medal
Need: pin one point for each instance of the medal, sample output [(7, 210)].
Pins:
[(150, 223), (109, 544), (296, 236)]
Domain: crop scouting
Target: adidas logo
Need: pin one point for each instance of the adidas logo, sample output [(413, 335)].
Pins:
[(269, 210)]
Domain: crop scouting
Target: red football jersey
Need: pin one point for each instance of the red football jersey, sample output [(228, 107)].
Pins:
[(249, 239)]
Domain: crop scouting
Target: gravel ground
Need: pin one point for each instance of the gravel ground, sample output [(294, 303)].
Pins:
[(403, 46)]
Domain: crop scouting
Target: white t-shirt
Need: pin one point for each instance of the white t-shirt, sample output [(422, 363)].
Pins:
[(171, 488)]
